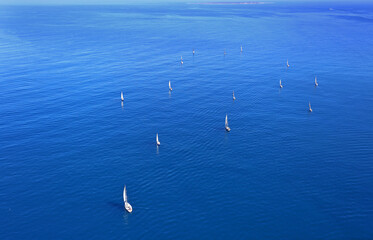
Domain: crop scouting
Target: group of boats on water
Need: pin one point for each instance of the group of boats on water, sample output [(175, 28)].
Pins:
[(128, 206), (309, 103)]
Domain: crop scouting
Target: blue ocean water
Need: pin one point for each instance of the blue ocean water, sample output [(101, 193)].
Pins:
[(68, 146)]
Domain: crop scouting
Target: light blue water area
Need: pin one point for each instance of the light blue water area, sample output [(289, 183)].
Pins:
[(67, 146)]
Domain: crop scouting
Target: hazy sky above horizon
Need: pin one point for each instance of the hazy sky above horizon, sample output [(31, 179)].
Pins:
[(84, 2), (141, 1)]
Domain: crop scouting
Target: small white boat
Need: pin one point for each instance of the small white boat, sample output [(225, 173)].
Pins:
[(157, 141), (316, 83), (193, 51), (181, 60), (241, 48), (227, 128), (234, 98), (309, 107), (169, 85), (287, 63), (121, 96), (127, 206), (280, 84)]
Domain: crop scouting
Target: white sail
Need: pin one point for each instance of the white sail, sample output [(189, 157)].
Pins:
[(121, 96), (226, 120), (287, 63), (234, 98), (169, 85), (280, 84), (241, 48), (124, 194), (316, 84)]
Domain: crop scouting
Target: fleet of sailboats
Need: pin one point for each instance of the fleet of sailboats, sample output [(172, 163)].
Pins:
[(127, 206)]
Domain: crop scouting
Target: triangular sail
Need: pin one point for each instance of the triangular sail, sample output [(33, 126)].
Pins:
[(226, 120), (156, 138), (169, 85), (124, 194), (121, 96), (316, 80), (309, 105)]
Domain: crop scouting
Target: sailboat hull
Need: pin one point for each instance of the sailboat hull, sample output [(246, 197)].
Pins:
[(227, 129), (128, 207)]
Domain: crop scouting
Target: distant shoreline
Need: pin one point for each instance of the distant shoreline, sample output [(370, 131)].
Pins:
[(228, 3)]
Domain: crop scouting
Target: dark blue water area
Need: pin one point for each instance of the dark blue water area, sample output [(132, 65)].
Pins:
[(68, 145)]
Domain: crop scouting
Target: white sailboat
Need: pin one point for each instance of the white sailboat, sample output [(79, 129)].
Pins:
[(316, 83), (234, 98), (241, 48), (226, 123), (169, 85), (280, 84), (309, 107), (287, 63), (181, 60), (121, 96), (157, 141), (127, 206), (193, 51)]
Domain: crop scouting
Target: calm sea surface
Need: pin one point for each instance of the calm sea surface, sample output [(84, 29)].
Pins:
[(68, 146)]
